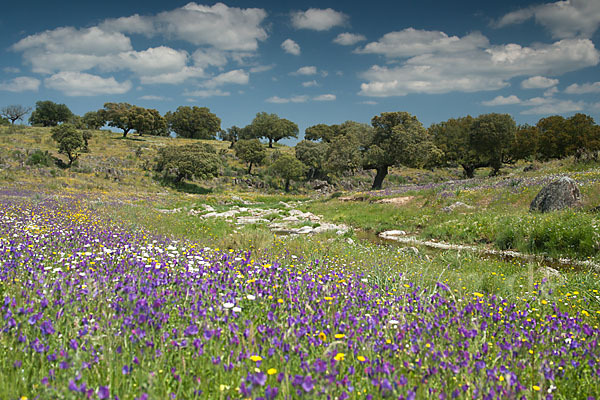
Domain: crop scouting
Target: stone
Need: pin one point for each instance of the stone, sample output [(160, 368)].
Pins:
[(558, 195), (391, 234), (411, 249), (455, 205)]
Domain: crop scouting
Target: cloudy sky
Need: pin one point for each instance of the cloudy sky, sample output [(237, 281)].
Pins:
[(310, 62)]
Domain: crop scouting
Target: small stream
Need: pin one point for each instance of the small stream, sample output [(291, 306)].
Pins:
[(502, 255)]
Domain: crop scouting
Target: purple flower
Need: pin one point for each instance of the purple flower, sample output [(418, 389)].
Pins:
[(308, 384), (259, 379), (73, 386), (125, 370), (191, 330), (103, 392), (271, 392)]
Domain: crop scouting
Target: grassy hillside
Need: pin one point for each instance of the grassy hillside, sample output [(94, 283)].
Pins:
[(116, 285)]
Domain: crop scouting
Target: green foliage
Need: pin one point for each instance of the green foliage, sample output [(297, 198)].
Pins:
[(313, 155), (93, 120), (48, 113), (343, 155), (4, 121), (289, 168), (118, 115), (321, 132), (193, 161), (273, 128), (70, 141), (14, 112), (525, 143), (232, 134), (251, 151), (491, 137), (398, 139), (452, 138), (149, 122), (40, 158), (194, 122), (560, 137)]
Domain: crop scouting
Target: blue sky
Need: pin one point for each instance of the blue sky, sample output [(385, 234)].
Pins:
[(310, 62)]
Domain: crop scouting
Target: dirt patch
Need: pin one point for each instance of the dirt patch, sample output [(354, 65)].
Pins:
[(398, 201)]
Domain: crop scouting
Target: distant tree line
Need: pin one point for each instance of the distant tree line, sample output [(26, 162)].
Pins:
[(327, 151)]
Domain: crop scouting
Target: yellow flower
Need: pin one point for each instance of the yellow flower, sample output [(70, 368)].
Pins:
[(361, 359), (271, 371), (328, 298), (339, 336), (477, 294), (501, 378), (256, 358), (339, 357), (322, 336), (536, 388), (280, 301)]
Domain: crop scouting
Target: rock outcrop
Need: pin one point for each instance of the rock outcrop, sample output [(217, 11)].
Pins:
[(558, 195)]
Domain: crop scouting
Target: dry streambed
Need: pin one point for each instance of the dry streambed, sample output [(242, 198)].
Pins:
[(285, 220)]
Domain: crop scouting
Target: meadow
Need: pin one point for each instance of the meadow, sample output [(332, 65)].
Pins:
[(104, 296)]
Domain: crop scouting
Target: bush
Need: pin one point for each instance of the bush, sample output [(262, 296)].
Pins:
[(199, 161), (71, 142), (40, 158)]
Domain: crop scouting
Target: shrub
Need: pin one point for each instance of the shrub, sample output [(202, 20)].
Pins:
[(198, 161), (40, 158)]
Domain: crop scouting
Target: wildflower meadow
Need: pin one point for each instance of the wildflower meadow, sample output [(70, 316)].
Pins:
[(91, 309)]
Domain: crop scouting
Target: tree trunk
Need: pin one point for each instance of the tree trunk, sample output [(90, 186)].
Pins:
[(249, 168), (125, 132), (287, 185), (381, 174), (469, 170), (270, 143)]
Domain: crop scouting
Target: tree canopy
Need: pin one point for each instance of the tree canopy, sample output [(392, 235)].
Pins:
[(48, 113), (313, 155), (491, 137), (194, 122), (192, 161), (251, 151), (70, 141), (398, 139), (273, 128), (118, 115), (289, 168), (93, 120)]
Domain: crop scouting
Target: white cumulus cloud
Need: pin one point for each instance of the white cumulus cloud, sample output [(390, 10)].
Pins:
[(348, 39), (325, 97), (237, 76), (206, 93), (538, 82), (82, 84), (564, 19), (502, 101), (20, 84), (291, 47), (318, 19), (413, 42), (310, 83), (220, 26), (307, 70), (550, 105), (284, 100), (584, 88), (469, 67)]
